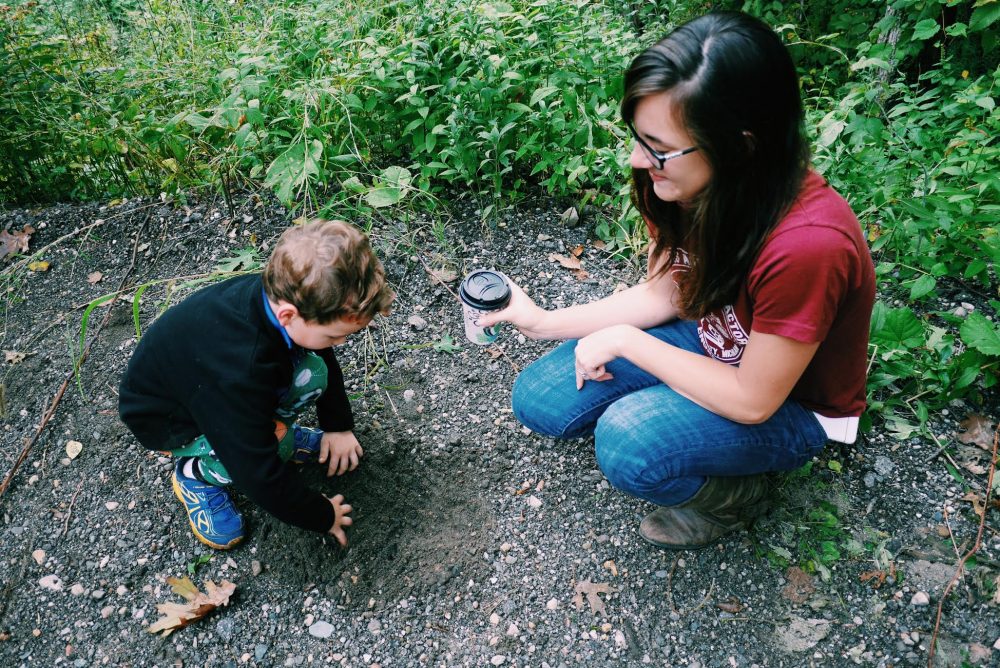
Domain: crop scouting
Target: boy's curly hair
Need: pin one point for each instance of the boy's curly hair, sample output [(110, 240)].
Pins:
[(328, 271)]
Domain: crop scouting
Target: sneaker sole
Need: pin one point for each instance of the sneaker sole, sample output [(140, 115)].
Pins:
[(194, 530)]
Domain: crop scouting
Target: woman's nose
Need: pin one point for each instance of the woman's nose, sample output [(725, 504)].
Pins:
[(638, 158)]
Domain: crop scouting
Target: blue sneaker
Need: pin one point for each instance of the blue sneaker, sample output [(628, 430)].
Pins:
[(307, 443), (211, 513)]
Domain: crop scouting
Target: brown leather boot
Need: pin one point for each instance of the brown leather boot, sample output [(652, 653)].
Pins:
[(723, 504)]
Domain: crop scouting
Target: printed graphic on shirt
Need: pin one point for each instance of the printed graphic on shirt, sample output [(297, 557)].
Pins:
[(722, 336)]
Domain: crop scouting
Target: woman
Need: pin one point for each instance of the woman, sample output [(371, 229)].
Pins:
[(745, 348)]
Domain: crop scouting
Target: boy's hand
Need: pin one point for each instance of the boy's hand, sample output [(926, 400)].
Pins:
[(340, 451), (341, 520)]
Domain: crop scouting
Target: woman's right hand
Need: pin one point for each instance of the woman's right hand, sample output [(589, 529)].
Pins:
[(522, 312), (340, 518)]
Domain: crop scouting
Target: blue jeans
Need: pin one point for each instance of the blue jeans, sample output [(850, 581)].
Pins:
[(650, 441)]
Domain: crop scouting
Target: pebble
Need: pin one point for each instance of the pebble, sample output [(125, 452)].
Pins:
[(38, 556), (256, 568), (408, 395), (259, 651), (97, 594), (494, 619), (225, 629), (512, 630), (920, 598), (51, 582), (883, 465), (112, 505), (322, 629), (107, 611), (661, 574), (417, 323), (374, 626), (534, 502), (498, 659), (553, 604)]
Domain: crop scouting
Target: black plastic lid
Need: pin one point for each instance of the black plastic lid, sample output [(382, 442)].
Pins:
[(485, 290)]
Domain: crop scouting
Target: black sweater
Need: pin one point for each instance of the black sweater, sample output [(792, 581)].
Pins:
[(214, 365)]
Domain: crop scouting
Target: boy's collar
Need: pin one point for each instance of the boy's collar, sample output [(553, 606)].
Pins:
[(274, 320)]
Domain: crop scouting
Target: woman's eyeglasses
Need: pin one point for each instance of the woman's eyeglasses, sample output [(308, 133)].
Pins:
[(659, 159)]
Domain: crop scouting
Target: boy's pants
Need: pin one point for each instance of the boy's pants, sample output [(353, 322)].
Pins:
[(309, 380)]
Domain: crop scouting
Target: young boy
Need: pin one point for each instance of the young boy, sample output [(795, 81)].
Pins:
[(219, 379)]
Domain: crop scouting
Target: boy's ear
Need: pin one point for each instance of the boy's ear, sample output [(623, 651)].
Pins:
[(285, 312)]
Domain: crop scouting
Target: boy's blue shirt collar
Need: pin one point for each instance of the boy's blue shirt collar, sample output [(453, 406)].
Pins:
[(274, 320)]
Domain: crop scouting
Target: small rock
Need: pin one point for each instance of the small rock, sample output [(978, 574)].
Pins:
[(534, 502), (512, 630), (259, 651), (76, 589), (321, 629), (408, 395), (553, 604), (225, 629), (107, 611), (112, 505), (506, 547), (996, 645), (417, 323), (494, 619), (960, 312), (498, 659), (51, 582), (883, 465), (38, 556), (920, 598), (374, 626), (97, 594), (256, 569), (661, 574)]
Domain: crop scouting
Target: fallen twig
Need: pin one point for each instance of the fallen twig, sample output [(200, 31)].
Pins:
[(975, 548), (670, 596), (69, 511)]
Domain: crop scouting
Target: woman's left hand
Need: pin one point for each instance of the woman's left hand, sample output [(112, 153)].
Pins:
[(593, 352)]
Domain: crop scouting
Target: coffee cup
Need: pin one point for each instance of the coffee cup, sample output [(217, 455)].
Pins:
[(483, 291)]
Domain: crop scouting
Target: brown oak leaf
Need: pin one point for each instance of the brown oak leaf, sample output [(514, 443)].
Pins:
[(567, 262), (978, 430), (877, 576), (977, 503), (179, 615), (800, 585), (578, 251), (591, 591), (16, 242), (733, 606), (94, 277), (443, 275)]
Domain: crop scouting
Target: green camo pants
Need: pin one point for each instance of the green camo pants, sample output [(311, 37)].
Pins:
[(309, 381)]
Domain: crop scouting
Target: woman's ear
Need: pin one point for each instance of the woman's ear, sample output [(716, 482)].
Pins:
[(285, 313)]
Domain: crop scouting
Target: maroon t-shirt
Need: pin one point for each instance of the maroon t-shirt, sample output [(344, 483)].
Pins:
[(812, 281)]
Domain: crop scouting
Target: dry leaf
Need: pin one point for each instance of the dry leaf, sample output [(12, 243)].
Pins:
[(610, 565), (443, 275), (733, 606), (591, 591), (567, 262), (978, 430), (600, 245), (800, 585), (13, 357), (494, 352), (877, 576), (73, 449), (94, 277), (581, 275), (179, 615), (977, 503), (38, 265), (16, 242), (577, 252)]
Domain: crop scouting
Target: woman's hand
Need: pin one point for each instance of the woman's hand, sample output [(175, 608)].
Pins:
[(594, 351), (340, 518), (522, 312)]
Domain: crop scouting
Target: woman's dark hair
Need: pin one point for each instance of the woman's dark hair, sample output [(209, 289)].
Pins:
[(736, 92)]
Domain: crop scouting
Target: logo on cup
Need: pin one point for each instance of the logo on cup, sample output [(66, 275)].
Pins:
[(483, 291)]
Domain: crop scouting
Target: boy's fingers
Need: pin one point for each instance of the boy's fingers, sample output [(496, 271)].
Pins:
[(341, 537), (338, 499), (361, 451), (346, 521), (346, 508)]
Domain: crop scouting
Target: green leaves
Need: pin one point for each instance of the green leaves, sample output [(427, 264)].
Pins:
[(925, 29), (981, 334), (896, 328), (294, 168)]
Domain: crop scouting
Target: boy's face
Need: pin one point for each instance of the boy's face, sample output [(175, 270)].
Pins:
[(313, 335)]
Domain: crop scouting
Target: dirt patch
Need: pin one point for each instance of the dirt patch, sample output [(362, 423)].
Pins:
[(471, 534)]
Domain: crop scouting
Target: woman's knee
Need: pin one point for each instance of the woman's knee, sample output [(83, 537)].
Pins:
[(533, 403), (623, 452)]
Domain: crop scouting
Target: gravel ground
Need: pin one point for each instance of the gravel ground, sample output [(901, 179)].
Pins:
[(475, 542)]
